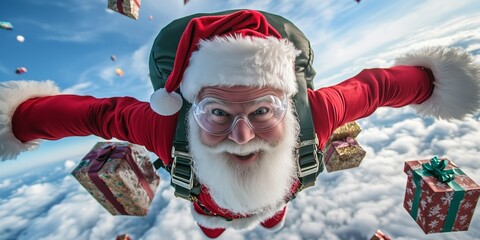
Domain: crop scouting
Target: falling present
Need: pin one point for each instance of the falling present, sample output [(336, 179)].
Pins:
[(129, 8), (21, 70), (379, 235), (350, 129), (120, 176), (439, 196), (123, 237), (345, 154), (6, 25)]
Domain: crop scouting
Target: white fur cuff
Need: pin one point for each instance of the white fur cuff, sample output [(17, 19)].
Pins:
[(12, 94), (457, 81)]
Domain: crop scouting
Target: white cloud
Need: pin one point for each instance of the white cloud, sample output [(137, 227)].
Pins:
[(349, 204), (77, 89), (17, 211), (135, 81), (346, 204), (69, 165), (5, 183), (107, 73), (473, 47)]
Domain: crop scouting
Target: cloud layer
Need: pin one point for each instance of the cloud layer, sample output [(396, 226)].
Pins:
[(349, 204)]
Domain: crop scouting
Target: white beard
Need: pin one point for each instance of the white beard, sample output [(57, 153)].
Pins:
[(259, 187)]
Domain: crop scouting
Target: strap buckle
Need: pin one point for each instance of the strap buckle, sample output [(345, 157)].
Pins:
[(184, 160), (309, 168)]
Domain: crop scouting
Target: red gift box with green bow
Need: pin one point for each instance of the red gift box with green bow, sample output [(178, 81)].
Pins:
[(439, 196)]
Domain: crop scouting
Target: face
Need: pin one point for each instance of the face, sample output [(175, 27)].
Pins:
[(241, 133), (245, 170)]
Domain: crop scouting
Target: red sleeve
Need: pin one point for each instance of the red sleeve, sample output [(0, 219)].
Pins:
[(360, 96), (124, 118)]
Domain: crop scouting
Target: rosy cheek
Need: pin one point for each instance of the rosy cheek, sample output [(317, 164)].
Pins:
[(210, 140), (273, 135)]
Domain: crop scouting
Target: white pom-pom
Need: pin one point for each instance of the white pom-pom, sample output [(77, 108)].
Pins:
[(165, 103)]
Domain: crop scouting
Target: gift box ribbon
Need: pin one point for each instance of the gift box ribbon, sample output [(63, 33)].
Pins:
[(120, 6), (100, 157), (349, 142), (436, 168)]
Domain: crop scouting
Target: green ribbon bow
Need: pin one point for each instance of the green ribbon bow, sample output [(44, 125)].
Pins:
[(437, 168)]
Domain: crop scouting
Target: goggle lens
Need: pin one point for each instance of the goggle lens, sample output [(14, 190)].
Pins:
[(219, 117)]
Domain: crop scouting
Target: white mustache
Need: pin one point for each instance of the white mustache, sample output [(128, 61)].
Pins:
[(254, 145)]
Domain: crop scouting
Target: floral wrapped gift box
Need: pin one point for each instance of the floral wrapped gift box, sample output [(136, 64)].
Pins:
[(120, 176), (129, 8)]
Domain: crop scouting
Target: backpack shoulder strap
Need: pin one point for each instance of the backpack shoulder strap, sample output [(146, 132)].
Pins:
[(181, 168), (309, 158)]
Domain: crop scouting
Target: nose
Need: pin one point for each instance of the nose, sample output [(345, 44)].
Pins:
[(241, 133)]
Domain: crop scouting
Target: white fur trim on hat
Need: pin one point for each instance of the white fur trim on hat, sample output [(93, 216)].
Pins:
[(241, 61), (12, 94), (165, 103), (456, 90)]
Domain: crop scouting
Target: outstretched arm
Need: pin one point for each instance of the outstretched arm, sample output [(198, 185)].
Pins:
[(439, 82), (57, 116), (362, 94)]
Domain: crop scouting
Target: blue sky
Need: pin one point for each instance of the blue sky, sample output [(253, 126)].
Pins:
[(71, 41)]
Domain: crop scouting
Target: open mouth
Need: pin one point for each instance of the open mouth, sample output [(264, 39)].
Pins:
[(244, 158)]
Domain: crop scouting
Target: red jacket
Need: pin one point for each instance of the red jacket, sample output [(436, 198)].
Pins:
[(125, 118)]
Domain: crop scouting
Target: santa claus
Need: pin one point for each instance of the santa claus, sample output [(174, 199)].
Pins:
[(236, 76)]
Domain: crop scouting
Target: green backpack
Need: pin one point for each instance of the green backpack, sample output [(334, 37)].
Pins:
[(162, 56)]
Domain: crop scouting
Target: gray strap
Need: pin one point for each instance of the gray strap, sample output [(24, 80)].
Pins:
[(181, 169), (310, 159)]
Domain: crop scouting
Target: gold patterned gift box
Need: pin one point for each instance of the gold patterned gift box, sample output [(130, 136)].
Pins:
[(350, 129), (120, 176), (439, 196), (343, 154), (129, 8)]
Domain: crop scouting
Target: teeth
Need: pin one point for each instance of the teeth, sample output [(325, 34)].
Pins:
[(243, 154)]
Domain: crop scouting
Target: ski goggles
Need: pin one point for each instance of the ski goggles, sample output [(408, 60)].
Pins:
[(218, 116)]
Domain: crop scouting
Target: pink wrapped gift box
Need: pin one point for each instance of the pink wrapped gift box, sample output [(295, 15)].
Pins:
[(120, 176), (379, 235), (129, 8), (439, 196), (123, 237), (344, 154)]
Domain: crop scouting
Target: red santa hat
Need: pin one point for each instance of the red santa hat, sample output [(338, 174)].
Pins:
[(238, 49)]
